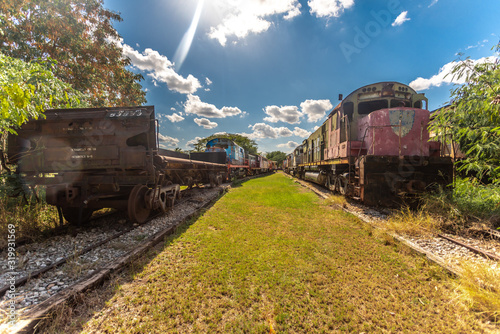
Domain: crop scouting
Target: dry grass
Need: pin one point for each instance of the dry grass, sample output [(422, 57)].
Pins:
[(479, 288), (414, 223), (336, 200)]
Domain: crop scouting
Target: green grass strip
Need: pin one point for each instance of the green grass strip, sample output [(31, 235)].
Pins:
[(272, 257)]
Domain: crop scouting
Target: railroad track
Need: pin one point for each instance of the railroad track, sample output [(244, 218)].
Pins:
[(59, 231), (444, 250), (37, 291)]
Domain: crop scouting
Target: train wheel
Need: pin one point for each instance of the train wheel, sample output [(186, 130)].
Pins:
[(72, 215), (137, 209), (340, 185)]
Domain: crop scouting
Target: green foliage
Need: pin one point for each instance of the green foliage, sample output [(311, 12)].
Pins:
[(249, 145), (473, 119), (277, 156), (473, 198), (27, 89), (79, 35)]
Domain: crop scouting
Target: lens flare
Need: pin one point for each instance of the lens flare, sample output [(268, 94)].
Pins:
[(183, 48)]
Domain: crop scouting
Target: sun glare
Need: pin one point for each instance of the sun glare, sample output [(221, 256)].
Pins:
[(185, 44)]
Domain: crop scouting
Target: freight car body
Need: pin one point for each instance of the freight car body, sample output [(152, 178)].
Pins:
[(374, 147), (96, 158)]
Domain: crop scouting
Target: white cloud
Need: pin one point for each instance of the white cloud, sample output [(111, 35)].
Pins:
[(160, 68), (290, 145), (287, 114), (301, 132), (175, 117), (329, 8), (445, 76), (242, 17), (169, 141), (402, 18), (194, 105), (205, 123), (478, 44), (193, 142), (262, 130), (315, 109), (433, 3)]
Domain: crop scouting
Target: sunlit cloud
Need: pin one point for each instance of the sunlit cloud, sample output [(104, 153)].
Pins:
[(205, 123), (262, 131), (190, 144), (286, 114), (167, 141), (160, 68), (183, 48), (195, 106), (175, 117), (289, 145), (329, 8), (402, 18), (301, 132), (445, 76), (243, 17), (315, 109), (433, 3)]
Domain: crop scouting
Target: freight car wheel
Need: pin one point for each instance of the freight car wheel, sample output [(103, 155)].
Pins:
[(72, 215), (137, 209)]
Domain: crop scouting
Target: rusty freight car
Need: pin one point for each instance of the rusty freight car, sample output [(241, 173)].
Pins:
[(96, 158)]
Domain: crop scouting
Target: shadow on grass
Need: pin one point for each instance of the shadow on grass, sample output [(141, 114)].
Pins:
[(70, 317)]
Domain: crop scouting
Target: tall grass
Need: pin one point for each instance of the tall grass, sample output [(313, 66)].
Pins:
[(30, 214), (478, 287)]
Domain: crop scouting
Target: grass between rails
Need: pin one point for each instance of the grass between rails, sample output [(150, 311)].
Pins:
[(271, 257)]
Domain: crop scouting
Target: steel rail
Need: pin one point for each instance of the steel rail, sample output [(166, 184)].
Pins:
[(473, 249), (34, 274)]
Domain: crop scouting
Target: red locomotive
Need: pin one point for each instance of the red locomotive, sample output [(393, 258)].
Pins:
[(374, 147)]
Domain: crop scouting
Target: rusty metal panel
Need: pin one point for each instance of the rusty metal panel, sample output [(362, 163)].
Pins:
[(397, 132), (81, 139)]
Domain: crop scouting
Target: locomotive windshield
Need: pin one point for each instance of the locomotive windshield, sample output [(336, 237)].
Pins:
[(364, 108)]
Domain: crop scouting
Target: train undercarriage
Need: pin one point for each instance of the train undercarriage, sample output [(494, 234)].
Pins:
[(379, 180)]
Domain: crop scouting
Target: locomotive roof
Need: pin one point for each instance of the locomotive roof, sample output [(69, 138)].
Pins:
[(378, 88)]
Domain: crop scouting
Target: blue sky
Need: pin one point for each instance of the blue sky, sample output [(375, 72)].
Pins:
[(272, 70)]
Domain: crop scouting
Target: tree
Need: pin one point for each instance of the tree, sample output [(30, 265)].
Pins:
[(79, 35), (27, 89), (277, 156), (473, 118), (249, 145)]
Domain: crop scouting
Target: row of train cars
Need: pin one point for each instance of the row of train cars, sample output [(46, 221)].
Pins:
[(94, 158), (374, 147)]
